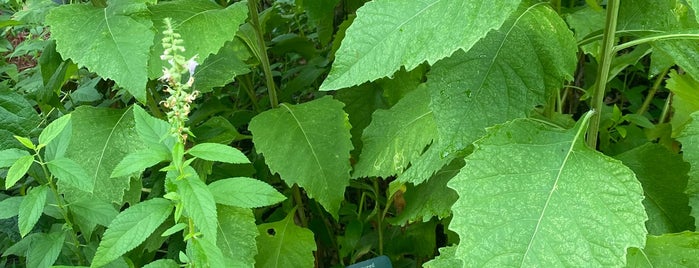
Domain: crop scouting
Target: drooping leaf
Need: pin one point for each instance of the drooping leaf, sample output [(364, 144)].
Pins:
[(220, 69), (139, 161), (153, 131), (389, 34), (360, 103), (284, 244), (236, 236), (17, 117), (534, 195), (667, 250), (316, 146), (503, 77), (71, 173), (31, 209), (54, 129), (130, 228), (10, 156), (17, 170), (101, 138), (45, 249), (218, 152), (665, 200), (397, 136), (428, 164), (199, 203), (189, 17), (689, 138), (245, 193), (113, 42)]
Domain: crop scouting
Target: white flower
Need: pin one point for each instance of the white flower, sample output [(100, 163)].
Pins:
[(192, 65)]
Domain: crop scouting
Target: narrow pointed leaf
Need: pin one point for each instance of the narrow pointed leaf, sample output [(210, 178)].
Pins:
[(17, 170), (245, 193), (139, 161), (31, 209), (667, 250), (218, 152), (130, 228), (71, 173), (199, 204), (316, 146), (284, 244), (45, 250), (153, 131), (54, 129), (533, 195), (503, 77), (114, 41), (689, 138), (95, 211), (388, 34)]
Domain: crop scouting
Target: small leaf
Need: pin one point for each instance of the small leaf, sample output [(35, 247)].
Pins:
[(139, 161), (17, 170), (52, 130), (162, 263), (245, 193), (10, 156), (284, 244), (9, 207), (639, 120), (174, 229), (31, 208), (667, 250), (130, 228), (71, 173), (198, 203), (218, 152), (205, 253), (45, 249), (153, 131), (96, 211), (26, 142)]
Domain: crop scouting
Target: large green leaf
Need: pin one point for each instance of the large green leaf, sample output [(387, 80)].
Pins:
[(220, 69), (101, 138), (31, 208), (45, 249), (684, 101), (205, 253), (198, 203), (284, 244), (153, 131), (308, 144), (236, 236), (322, 14), (503, 77), (204, 26), (668, 250), (114, 41), (689, 138), (397, 136), (130, 228), (17, 117), (388, 34), (536, 196), (360, 103), (665, 201)]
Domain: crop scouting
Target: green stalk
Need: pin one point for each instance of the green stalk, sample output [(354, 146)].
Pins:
[(262, 53), (606, 57), (666, 109), (651, 92), (379, 216), (300, 211)]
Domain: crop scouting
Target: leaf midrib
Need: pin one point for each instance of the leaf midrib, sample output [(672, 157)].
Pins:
[(109, 138), (308, 141)]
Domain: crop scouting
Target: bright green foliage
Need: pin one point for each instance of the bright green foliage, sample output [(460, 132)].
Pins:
[(17, 170), (57, 148), (426, 165), (94, 211), (154, 132), (446, 258), (585, 22), (236, 236), (688, 138), (553, 201), (220, 69), (389, 34), (130, 228), (321, 13), (101, 138), (71, 173), (17, 117), (283, 244), (218, 152), (667, 250), (360, 103), (31, 208), (665, 201), (316, 136), (685, 100), (45, 249), (205, 253), (54, 129), (113, 42), (162, 263), (503, 77), (396, 136), (244, 193), (204, 26), (10, 156), (138, 161), (198, 203)]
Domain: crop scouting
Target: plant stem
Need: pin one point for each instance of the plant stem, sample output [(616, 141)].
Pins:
[(653, 38), (606, 57), (666, 109), (379, 216), (651, 92), (300, 211), (262, 53)]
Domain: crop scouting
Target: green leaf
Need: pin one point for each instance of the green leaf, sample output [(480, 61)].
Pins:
[(153, 131), (189, 18), (322, 15), (96, 211), (139, 161), (53, 130), (31, 209), (503, 77), (663, 175), (397, 136), (429, 163), (17, 170), (668, 250), (45, 249), (283, 244), (130, 228), (10, 156), (27, 142), (205, 253), (101, 138), (236, 236), (218, 152), (446, 258), (307, 144), (220, 69), (585, 22), (689, 138), (113, 42), (71, 173), (17, 117), (360, 103), (9, 207), (685, 100), (198, 203), (162, 263), (529, 189), (57, 148), (389, 34), (244, 193)]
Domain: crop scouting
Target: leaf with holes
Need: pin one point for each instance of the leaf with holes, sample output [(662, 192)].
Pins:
[(284, 244)]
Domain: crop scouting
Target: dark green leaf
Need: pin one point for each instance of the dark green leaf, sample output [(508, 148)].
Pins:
[(220, 69), (45, 250), (9, 207), (95, 211), (17, 117), (154, 132), (283, 244)]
